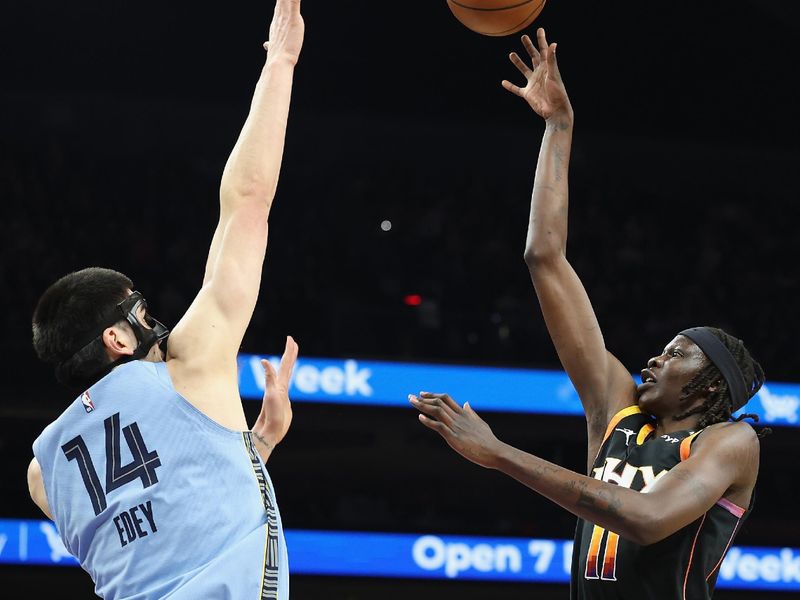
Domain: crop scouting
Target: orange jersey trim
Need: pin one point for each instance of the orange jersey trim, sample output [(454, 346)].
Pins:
[(645, 431), (686, 445), (691, 553)]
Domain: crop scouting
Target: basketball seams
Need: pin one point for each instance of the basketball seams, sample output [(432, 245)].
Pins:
[(469, 16), (484, 9)]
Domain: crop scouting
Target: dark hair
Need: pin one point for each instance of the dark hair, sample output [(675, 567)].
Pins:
[(68, 316), (718, 406)]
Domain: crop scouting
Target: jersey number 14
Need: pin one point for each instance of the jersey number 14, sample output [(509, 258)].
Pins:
[(143, 466)]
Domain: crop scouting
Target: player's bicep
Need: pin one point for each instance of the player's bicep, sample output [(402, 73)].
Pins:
[(601, 381), (221, 312), (236, 273), (213, 252)]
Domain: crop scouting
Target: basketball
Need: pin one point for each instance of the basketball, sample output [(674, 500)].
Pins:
[(496, 17)]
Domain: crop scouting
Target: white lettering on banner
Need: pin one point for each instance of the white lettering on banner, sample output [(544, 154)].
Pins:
[(779, 406), (542, 551), (356, 379), (566, 550), (309, 379), (430, 552), (23, 541), (508, 557), (482, 558), (306, 379), (57, 548), (423, 546), (331, 380), (768, 567)]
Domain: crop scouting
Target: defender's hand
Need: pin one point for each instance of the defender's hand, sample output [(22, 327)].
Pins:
[(544, 91), (276, 409), (285, 32), (461, 427)]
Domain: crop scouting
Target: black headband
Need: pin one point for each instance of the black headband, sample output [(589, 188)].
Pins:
[(719, 354)]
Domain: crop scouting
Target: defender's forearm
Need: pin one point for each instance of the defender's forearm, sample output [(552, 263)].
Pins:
[(608, 505), (547, 228), (252, 170)]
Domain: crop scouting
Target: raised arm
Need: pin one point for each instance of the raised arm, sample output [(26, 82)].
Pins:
[(601, 381), (723, 464), (203, 346)]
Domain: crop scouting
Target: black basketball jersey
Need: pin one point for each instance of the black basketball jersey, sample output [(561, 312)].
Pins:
[(682, 566)]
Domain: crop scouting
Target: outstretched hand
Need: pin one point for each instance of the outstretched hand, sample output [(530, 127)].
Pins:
[(276, 409), (461, 427), (544, 91), (286, 32)]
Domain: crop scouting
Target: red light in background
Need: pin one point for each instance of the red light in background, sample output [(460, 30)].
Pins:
[(413, 300)]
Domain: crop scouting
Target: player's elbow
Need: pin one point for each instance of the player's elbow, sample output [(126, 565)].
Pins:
[(250, 192), (540, 256), (646, 527), (643, 536), (543, 248), (245, 222)]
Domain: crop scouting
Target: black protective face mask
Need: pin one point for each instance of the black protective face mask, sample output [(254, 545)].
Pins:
[(127, 311), (146, 337)]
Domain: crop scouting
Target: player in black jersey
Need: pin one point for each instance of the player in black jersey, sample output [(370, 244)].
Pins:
[(670, 475)]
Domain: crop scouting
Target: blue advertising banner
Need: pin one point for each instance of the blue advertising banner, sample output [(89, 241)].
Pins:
[(427, 556), (349, 381)]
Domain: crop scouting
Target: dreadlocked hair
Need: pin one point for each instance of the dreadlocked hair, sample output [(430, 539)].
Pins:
[(718, 407)]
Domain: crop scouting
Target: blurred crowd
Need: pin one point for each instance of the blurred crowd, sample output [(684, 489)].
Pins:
[(370, 212), (360, 224)]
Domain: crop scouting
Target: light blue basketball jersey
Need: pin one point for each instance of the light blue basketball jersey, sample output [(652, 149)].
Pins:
[(156, 500)]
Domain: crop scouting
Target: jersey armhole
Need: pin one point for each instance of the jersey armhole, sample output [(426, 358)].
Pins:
[(47, 497), (164, 379), (621, 414), (625, 412)]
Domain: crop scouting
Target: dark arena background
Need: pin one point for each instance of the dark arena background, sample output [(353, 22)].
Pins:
[(397, 236)]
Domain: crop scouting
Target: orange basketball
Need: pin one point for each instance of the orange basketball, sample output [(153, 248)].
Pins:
[(496, 17)]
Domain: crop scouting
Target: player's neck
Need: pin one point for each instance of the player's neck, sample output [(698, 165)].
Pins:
[(668, 425)]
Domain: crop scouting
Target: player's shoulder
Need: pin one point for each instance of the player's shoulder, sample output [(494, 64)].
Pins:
[(732, 437), (739, 430)]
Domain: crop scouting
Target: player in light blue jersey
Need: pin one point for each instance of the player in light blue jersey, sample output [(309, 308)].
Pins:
[(152, 476)]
